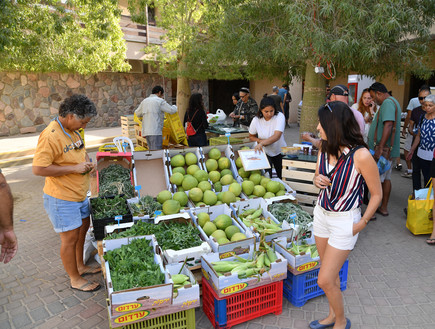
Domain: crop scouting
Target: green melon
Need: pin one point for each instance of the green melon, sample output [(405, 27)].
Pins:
[(209, 198), (170, 207), (238, 236), (226, 180), (179, 169), (192, 169), (201, 175), (178, 161), (228, 197), (209, 228), (189, 182), (218, 234), (272, 186), (195, 194), (180, 197), (231, 230), (177, 178), (256, 178), (235, 188), (163, 196), (214, 176), (259, 190), (224, 163), (190, 158), (203, 218), (214, 153), (248, 187), (211, 164), (223, 221), (204, 185)]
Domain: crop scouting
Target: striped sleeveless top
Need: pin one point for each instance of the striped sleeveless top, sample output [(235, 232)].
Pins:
[(346, 190)]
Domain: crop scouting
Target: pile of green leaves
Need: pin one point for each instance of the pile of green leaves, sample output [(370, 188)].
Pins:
[(109, 207), (115, 180), (171, 235), (292, 213), (146, 206), (133, 266)]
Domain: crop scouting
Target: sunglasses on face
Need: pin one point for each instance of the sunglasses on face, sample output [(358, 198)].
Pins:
[(421, 98)]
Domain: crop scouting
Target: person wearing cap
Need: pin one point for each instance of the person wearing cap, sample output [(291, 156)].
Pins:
[(277, 99), (341, 93), (152, 112), (245, 109), (385, 125)]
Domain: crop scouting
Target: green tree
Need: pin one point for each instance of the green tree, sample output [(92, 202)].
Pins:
[(186, 23), (81, 36), (292, 37)]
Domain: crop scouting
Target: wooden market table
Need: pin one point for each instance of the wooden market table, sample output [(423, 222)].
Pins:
[(298, 172)]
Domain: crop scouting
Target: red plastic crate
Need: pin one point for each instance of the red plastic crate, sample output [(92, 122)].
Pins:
[(243, 306)]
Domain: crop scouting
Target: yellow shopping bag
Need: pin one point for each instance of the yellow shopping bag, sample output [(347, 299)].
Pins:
[(419, 219)]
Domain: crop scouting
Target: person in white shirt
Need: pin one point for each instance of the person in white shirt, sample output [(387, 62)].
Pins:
[(152, 112), (267, 129)]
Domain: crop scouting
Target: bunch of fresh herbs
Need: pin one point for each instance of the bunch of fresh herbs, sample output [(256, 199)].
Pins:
[(115, 180), (133, 266), (171, 235), (145, 206), (292, 213), (108, 207)]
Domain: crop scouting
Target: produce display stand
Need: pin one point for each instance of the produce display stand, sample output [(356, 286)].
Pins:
[(298, 173)]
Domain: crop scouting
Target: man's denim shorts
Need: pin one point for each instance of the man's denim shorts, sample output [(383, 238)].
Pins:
[(65, 215)]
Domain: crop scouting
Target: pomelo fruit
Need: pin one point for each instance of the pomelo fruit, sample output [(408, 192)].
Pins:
[(209, 198), (256, 178), (226, 172), (201, 175), (222, 241), (209, 228), (214, 176), (223, 221), (179, 169), (259, 190), (217, 187), (245, 148), (211, 164), (224, 163), (231, 230), (243, 173), (163, 196), (214, 153), (235, 188), (177, 178), (218, 202), (228, 197), (170, 207), (238, 236), (226, 180), (180, 197), (195, 194), (204, 185), (178, 161), (218, 234), (272, 186), (203, 218), (190, 158), (280, 192), (219, 196), (189, 182), (264, 181), (248, 187), (239, 162), (268, 195), (192, 169)]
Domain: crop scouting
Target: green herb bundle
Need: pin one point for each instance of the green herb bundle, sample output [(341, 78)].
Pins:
[(172, 235), (108, 207), (133, 266), (115, 180), (145, 206), (292, 213)]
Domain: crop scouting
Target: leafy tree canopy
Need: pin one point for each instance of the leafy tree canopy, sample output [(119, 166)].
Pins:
[(81, 36)]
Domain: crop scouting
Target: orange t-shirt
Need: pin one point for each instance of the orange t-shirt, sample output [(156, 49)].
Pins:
[(55, 147)]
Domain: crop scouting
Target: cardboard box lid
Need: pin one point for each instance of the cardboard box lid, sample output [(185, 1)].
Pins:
[(150, 172)]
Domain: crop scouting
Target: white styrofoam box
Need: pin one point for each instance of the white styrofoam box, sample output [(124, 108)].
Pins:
[(193, 254), (297, 263), (230, 283), (109, 229), (137, 299), (241, 206), (232, 247), (188, 295)]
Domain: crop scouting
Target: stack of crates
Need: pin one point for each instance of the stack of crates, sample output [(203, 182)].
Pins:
[(300, 288), (242, 306), (177, 133), (127, 127)]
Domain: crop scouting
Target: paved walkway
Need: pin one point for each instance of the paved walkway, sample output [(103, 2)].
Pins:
[(391, 282)]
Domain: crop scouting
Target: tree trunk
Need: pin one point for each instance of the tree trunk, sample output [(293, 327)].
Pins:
[(183, 91), (314, 96)]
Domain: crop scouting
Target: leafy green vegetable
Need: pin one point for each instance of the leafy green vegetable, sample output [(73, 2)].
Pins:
[(292, 213), (146, 206), (171, 235), (108, 207), (133, 266), (115, 180)]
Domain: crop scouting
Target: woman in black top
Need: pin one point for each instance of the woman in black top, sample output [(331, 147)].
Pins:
[(195, 114)]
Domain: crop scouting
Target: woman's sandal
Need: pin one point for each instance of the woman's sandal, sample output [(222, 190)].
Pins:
[(430, 241)]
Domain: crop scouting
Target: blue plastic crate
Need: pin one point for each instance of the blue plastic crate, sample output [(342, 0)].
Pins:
[(298, 289)]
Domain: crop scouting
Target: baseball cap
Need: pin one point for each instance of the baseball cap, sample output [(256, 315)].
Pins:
[(275, 88), (244, 90), (340, 90)]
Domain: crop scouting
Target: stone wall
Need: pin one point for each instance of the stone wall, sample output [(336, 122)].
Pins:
[(29, 101)]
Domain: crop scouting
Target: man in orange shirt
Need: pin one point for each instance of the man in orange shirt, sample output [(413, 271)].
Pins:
[(61, 158)]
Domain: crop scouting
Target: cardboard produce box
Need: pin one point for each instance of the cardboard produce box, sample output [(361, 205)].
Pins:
[(230, 283), (142, 298), (228, 249)]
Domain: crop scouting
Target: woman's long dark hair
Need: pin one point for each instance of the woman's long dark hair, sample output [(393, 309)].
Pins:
[(195, 103), (340, 126), (265, 102)]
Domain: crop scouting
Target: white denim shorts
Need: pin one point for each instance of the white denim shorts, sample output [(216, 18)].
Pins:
[(336, 226)]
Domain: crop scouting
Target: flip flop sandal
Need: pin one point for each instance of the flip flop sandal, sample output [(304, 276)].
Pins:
[(430, 241), (91, 270), (87, 284), (385, 214)]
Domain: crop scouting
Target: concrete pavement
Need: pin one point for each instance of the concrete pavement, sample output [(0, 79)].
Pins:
[(391, 281)]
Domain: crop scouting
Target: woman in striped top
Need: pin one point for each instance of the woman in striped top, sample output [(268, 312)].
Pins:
[(343, 164)]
